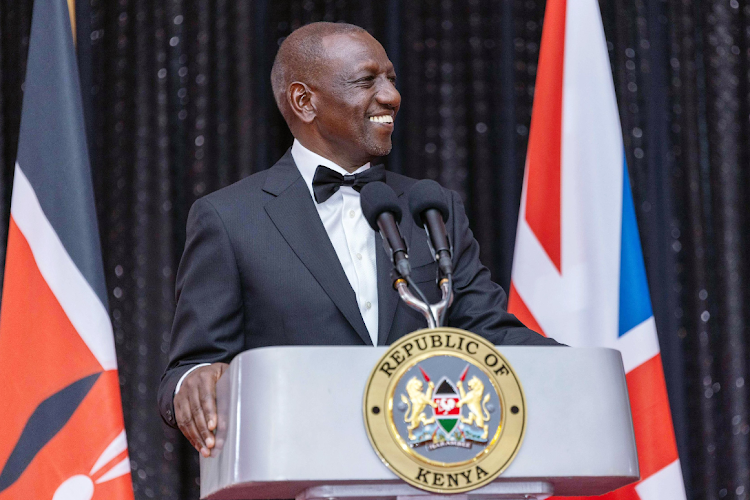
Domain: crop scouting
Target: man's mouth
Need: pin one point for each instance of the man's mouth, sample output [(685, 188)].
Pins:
[(382, 119)]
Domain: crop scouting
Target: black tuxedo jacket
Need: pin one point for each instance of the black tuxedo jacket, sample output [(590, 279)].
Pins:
[(259, 270)]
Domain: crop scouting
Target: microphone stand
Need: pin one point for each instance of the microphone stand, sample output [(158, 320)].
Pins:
[(433, 313)]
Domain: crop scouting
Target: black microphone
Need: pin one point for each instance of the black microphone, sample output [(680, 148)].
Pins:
[(428, 207), (380, 207)]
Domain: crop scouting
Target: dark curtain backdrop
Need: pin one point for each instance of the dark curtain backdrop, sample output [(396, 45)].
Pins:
[(178, 104)]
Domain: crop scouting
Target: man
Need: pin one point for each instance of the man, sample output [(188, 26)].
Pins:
[(282, 257)]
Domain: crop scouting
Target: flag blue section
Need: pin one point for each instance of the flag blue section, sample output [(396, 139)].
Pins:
[(635, 302), (52, 149)]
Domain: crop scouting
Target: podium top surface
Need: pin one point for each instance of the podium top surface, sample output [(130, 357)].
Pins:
[(291, 418)]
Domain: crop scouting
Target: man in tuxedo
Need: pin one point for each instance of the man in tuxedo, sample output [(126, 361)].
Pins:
[(285, 256)]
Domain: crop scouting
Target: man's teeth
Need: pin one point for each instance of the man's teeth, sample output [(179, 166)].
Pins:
[(382, 119)]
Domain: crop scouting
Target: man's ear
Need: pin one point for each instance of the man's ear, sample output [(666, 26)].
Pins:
[(300, 97)]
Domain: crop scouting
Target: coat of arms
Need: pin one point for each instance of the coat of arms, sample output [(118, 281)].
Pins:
[(444, 410), (458, 417)]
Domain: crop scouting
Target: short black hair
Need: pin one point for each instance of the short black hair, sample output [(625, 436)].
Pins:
[(298, 53)]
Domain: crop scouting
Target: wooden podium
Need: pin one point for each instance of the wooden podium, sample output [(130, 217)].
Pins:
[(291, 426)]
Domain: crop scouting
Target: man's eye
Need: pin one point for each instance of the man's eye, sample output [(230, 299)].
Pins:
[(392, 79)]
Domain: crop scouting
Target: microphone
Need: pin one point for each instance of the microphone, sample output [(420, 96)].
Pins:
[(428, 207), (380, 207)]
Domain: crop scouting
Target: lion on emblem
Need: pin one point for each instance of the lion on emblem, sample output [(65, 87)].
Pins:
[(478, 413), (416, 403)]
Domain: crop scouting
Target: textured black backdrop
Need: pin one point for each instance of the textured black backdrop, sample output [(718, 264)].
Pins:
[(178, 104)]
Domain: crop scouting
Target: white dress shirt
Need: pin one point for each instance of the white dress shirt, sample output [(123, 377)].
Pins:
[(351, 236)]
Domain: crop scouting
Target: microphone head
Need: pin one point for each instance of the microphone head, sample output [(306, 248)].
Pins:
[(425, 195), (376, 198)]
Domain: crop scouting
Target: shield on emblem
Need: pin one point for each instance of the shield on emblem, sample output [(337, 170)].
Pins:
[(447, 411)]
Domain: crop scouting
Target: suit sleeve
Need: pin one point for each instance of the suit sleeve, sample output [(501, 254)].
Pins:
[(208, 317), (479, 303)]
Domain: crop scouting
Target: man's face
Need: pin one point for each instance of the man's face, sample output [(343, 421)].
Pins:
[(356, 100)]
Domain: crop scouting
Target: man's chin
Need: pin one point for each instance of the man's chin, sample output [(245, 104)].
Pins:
[(375, 149)]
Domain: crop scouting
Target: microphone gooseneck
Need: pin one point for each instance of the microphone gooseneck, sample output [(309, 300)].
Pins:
[(429, 209), (382, 211)]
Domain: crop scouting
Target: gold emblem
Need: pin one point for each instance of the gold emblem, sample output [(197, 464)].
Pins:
[(444, 410)]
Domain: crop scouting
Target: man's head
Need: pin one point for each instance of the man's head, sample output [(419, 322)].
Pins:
[(335, 87)]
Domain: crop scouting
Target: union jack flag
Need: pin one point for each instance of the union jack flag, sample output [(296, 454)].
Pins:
[(578, 273)]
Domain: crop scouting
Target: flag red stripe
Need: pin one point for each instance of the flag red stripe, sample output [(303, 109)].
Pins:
[(652, 420), (517, 307), (543, 188), (40, 351)]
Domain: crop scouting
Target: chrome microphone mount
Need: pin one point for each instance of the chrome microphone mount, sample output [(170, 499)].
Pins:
[(433, 313)]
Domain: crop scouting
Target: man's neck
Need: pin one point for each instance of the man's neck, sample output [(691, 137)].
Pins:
[(348, 164)]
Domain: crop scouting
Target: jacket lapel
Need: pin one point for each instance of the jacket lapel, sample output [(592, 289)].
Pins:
[(387, 296), (294, 214)]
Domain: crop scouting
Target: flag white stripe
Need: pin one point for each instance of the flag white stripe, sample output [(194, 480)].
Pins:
[(591, 179), (76, 297), (666, 483), (118, 470), (567, 306), (117, 446), (638, 345)]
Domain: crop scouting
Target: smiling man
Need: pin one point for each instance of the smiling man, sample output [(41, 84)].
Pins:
[(285, 256)]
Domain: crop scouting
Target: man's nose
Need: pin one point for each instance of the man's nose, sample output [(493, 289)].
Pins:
[(388, 95)]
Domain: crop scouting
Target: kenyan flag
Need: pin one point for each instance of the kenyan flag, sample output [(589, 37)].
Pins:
[(447, 411)]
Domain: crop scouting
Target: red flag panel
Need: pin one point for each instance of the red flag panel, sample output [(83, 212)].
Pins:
[(652, 420), (543, 188)]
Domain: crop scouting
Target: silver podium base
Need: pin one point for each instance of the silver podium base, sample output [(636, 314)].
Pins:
[(516, 490)]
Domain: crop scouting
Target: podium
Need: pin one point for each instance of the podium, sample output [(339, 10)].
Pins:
[(291, 426)]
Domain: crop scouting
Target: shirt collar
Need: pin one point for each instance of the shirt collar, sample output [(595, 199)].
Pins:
[(307, 162)]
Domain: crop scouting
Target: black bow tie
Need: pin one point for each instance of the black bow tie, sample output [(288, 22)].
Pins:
[(326, 182)]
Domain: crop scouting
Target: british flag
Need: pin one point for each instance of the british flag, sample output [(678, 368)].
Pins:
[(578, 272), (63, 436)]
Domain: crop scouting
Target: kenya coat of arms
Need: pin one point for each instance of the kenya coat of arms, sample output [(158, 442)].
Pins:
[(459, 417), (444, 410)]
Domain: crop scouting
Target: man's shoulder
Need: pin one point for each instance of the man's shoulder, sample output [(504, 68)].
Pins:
[(244, 190), (255, 190)]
